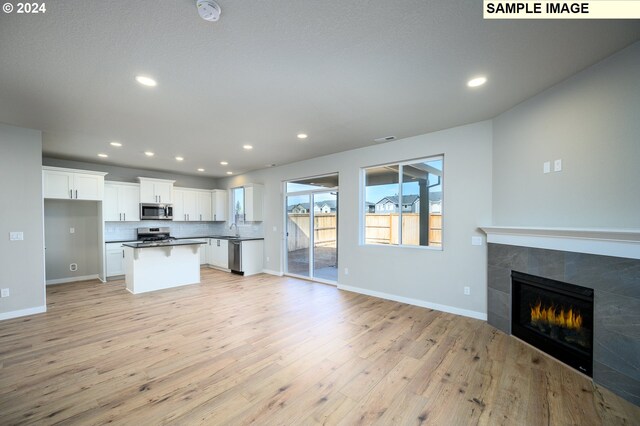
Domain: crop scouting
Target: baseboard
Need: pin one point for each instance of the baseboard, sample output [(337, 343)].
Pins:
[(23, 312), (415, 302), (73, 279), (271, 272)]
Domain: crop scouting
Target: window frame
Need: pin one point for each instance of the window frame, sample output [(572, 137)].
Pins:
[(362, 211), (232, 215)]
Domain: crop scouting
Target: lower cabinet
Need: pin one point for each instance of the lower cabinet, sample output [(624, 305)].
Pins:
[(251, 260), (114, 254), (218, 253), (203, 250)]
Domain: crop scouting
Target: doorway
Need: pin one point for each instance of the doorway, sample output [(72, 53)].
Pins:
[(311, 249)]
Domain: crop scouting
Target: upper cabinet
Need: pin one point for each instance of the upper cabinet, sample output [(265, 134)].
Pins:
[(71, 184), (219, 205), (253, 196), (155, 190), (191, 205), (121, 202), (204, 206)]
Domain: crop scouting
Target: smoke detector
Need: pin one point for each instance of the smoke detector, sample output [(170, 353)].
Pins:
[(208, 10)]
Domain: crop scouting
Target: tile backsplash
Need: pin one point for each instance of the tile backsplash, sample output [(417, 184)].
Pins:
[(123, 231)]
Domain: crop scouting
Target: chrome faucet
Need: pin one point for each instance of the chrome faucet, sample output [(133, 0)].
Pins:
[(237, 230)]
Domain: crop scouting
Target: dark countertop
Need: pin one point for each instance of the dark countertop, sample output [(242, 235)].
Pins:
[(215, 237), (167, 244)]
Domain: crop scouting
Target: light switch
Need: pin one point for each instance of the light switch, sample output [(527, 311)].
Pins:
[(16, 236), (546, 167), (557, 166), (476, 241), (72, 230)]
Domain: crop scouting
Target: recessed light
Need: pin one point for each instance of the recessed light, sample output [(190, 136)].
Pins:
[(302, 136), (201, 170), (118, 144), (229, 173), (247, 147), (478, 81), (179, 158), (149, 153), (146, 81), (103, 155), (224, 163)]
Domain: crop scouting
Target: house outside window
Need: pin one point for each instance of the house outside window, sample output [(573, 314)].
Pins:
[(403, 203)]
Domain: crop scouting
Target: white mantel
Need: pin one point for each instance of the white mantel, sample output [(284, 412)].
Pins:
[(605, 242)]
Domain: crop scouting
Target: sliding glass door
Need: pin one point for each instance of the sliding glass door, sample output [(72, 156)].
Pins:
[(298, 235), (312, 228)]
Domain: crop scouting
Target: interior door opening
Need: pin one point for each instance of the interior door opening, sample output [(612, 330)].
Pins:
[(311, 248)]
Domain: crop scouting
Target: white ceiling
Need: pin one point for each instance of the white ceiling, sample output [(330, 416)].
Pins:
[(345, 72)]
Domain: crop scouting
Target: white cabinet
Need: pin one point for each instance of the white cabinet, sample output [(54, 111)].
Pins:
[(121, 202), (114, 254), (252, 257), (70, 184), (218, 253), (203, 250), (191, 205), (155, 190), (204, 206), (253, 195), (219, 199)]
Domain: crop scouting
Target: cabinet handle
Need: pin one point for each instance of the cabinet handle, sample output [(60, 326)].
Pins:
[(71, 193), (214, 217), (123, 254), (200, 218), (160, 198), (76, 194), (120, 217), (125, 216)]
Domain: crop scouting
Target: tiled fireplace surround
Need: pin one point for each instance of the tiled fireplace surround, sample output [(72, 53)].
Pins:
[(606, 261)]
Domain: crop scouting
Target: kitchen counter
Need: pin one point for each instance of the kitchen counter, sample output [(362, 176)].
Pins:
[(215, 237), (162, 244), (157, 266)]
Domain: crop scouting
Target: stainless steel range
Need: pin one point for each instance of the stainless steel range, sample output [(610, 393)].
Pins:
[(155, 235)]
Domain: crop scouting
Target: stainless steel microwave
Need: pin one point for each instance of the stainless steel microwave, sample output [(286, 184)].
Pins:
[(153, 211)]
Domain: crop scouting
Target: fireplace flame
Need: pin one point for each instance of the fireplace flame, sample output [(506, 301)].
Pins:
[(556, 316)]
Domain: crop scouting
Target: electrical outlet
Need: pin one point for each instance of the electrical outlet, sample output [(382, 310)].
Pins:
[(72, 230), (5, 292), (476, 241), (546, 167), (73, 267), (267, 258), (16, 236), (467, 291), (346, 271), (557, 166)]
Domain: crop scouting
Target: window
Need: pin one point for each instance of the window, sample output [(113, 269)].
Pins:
[(403, 203), (237, 203)]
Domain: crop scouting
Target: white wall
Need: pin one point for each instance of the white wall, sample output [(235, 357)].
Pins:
[(592, 122), (21, 262), (62, 247), (436, 277)]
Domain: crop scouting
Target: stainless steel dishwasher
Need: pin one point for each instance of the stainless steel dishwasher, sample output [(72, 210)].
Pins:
[(235, 256)]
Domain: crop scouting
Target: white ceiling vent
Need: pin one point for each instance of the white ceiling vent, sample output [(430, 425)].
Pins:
[(385, 139), (209, 10)]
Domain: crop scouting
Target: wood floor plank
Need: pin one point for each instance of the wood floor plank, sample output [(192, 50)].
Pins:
[(277, 350)]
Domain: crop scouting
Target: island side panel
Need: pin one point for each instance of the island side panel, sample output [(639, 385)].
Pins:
[(156, 268)]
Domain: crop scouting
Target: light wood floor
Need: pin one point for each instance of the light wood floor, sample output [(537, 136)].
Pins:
[(270, 350)]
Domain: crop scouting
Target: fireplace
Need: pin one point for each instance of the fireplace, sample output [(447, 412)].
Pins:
[(555, 317)]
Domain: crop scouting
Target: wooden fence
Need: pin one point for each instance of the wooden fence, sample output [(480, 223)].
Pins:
[(380, 229), (383, 228)]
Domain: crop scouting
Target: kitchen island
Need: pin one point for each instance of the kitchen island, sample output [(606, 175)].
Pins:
[(160, 265)]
